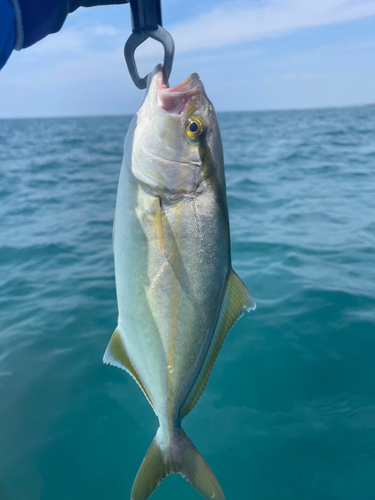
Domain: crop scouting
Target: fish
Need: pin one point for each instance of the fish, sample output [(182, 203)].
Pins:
[(177, 293)]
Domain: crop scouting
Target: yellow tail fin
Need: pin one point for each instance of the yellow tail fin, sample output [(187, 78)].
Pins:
[(180, 458)]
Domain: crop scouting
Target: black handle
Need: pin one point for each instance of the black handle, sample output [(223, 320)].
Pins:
[(146, 14), (147, 23)]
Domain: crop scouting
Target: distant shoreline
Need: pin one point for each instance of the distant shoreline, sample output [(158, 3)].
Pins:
[(350, 106)]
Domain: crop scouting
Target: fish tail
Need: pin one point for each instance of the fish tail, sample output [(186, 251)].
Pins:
[(180, 457)]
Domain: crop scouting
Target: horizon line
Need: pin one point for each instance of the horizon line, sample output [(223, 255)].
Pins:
[(348, 106)]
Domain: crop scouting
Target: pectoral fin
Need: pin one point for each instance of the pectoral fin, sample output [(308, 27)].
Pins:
[(116, 355), (158, 224), (236, 298)]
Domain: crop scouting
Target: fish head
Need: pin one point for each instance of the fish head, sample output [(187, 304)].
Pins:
[(175, 140)]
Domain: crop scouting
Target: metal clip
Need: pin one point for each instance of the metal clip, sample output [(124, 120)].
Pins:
[(147, 23)]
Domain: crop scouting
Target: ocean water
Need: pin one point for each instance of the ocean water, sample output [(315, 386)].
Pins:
[(289, 410)]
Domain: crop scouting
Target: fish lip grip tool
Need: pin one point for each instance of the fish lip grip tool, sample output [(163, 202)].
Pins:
[(147, 23)]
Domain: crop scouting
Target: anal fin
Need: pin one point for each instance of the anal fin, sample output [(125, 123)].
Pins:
[(236, 298), (116, 355)]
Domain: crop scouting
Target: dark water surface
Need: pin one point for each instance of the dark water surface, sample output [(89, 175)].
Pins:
[(289, 411)]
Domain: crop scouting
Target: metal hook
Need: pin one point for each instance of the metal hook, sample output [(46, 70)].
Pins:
[(139, 36)]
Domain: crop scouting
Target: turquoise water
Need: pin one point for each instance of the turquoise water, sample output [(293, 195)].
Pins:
[(289, 411)]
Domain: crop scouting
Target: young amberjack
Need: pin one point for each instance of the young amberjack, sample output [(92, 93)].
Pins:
[(177, 294)]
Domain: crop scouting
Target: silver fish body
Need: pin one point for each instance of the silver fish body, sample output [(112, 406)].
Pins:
[(177, 294)]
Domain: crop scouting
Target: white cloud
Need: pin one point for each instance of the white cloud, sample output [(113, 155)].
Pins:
[(105, 30), (94, 53), (304, 76), (228, 24), (327, 54), (67, 41), (238, 22), (75, 41), (232, 56)]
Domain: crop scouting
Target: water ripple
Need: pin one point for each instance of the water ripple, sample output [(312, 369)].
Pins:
[(289, 409)]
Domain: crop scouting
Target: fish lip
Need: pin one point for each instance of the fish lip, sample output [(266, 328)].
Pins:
[(174, 99), (185, 86)]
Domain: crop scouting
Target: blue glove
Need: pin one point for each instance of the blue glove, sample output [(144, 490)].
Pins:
[(25, 22), (7, 30)]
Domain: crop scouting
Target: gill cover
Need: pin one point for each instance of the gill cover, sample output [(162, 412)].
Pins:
[(164, 146)]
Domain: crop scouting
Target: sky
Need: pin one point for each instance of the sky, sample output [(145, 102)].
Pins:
[(250, 55)]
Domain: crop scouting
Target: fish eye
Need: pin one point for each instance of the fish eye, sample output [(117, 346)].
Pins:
[(194, 127)]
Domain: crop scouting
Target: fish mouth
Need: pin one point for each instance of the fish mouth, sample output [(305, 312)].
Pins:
[(174, 99)]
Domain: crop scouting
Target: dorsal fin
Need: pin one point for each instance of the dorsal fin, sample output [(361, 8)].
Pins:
[(116, 355), (236, 298)]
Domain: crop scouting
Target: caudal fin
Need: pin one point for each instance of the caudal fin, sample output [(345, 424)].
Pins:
[(180, 458)]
